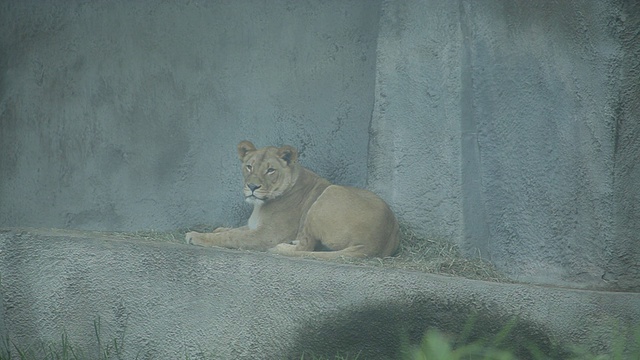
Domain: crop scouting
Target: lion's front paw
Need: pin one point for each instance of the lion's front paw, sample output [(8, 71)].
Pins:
[(191, 237), (283, 249)]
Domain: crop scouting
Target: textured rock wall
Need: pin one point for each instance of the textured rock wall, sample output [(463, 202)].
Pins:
[(126, 115), (171, 301), (512, 127)]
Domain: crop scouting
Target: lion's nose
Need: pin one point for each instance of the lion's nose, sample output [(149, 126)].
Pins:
[(253, 187)]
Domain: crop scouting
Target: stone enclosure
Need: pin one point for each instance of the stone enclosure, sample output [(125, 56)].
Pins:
[(508, 127)]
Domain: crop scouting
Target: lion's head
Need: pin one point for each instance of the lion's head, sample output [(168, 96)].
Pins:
[(268, 172)]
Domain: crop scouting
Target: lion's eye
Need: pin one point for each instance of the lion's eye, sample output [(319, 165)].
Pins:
[(270, 171), (249, 168)]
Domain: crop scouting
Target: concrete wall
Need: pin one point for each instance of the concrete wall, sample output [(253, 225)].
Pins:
[(126, 115), (170, 301), (510, 127), (624, 253)]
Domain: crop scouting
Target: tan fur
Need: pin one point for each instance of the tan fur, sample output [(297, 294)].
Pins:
[(298, 213)]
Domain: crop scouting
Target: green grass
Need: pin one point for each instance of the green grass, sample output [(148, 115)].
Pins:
[(435, 345), (65, 349)]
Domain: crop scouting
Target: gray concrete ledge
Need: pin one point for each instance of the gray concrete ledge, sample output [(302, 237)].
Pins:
[(173, 301)]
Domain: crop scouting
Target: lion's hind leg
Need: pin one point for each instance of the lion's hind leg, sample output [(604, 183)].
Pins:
[(356, 251)]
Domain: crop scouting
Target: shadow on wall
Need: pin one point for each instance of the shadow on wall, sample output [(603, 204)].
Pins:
[(382, 332)]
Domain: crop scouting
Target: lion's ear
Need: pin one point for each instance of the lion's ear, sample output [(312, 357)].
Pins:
[(244, 147), (288, 154)]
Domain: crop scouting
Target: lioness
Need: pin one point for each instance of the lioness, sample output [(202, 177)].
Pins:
[(298, 213)]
